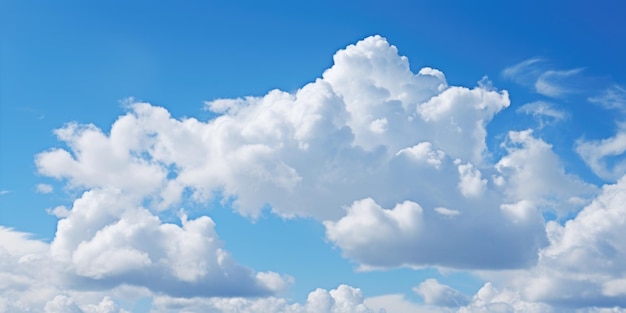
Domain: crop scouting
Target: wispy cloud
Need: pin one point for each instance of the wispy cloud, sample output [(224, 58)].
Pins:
[(613, 97), (536, 74), (44, 188), (556, 84), (544, 112)]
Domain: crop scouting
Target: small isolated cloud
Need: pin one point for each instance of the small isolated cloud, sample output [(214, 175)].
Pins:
[(44, 188), (544, 112), (4, 192), (605, 157), (435, 293)]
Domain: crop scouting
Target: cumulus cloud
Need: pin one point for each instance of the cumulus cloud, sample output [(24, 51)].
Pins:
[(402, 236), (532, 171), (369, 132), (585, 262)]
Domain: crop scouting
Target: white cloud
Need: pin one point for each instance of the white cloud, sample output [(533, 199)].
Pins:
[(532, 171), (544, 112), (369, 134), (604, 156), (396, 303), (533, 73), (44, 188), (344, 299), (435, 293), (471, 183), (407, 235), (491, 299), (613, 97), (586, 261), (306, 153), (109, 240), (4, 192), (525, 72), (554, 83)]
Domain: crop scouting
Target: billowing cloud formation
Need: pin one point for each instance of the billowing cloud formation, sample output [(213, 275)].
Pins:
[(585, 263), (368, 129)]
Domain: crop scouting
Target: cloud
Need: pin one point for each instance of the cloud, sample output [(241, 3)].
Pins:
[(556, 84), (343, 299), (604, 156), (44, 188), (585, 261), (533, 73), (108, 239), (306, 153), (435, 293), (4, 192), (544, 112), (613, 97), (393, 163), (532, 171), (409, 236), (362, 137)]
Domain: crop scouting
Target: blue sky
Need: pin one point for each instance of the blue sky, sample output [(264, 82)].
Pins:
[(233, 156)]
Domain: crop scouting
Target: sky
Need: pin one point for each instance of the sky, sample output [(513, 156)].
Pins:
[(245, 156)]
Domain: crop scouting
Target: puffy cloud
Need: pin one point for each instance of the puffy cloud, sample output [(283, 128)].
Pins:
[(491, 299), (368, 129), (306, 153), (407, 235), (585, 262), (532, 171), (108, 240), (604, 156), (368, 134), (435, 293)]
